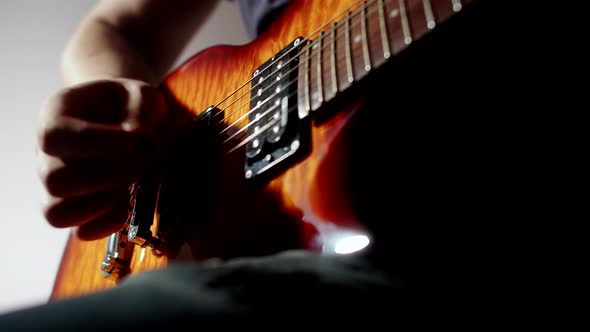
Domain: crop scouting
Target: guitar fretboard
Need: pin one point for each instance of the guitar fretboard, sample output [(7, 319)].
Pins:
[(363, 40)]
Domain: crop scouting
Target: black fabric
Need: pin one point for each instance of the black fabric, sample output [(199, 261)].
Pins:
[(258, 14), (471, 163), (288, 290)]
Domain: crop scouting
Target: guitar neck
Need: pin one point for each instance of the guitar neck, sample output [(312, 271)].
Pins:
[(361, 40)]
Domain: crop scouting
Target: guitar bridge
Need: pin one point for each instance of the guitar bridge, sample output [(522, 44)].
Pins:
[(162, 200), (114, 264), (137, 229)]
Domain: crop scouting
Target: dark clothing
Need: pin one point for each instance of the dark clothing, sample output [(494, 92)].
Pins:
[(258, 14), (291, 290)]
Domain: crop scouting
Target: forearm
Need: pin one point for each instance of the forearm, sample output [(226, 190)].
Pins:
[(138, 39), (97, 50)]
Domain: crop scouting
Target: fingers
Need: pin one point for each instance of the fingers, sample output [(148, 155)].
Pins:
[(94, 140), (146, 108), (77, 177), (73, 138), (105, 225), (97, 102), (105, 119), (76, 211)]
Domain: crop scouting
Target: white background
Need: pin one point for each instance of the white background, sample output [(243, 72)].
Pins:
[(32, 35)]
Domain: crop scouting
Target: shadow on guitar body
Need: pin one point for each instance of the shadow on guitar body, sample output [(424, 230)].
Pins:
[(473, 168)]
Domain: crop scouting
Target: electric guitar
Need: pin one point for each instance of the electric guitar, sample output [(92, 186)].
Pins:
[(265, 155)]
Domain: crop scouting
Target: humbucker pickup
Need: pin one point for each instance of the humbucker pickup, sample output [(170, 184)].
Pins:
[(275, 131)]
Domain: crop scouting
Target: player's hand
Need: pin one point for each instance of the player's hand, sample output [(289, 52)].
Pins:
[(94, 141)]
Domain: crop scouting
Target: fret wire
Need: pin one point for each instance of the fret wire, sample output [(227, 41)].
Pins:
[(244, 84), (306, 78), (383, 28), (307, 52), (430, 21), (366, 54), (405, 22), (253, 86), (347, 46), (333, 59), (250, 137), (243, 117), (457, 5), (319, 69)]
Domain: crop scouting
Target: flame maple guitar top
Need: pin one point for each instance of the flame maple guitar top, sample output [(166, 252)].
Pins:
[(244, 218), (309, 203)]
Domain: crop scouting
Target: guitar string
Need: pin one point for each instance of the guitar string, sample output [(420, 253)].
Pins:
[(259, 131), (369, 13), (263, 129), (261, 116), (303, 40), (317, 31), (313, 53), (335, 26)]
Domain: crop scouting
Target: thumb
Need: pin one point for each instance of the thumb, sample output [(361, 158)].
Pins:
[(146, 109)]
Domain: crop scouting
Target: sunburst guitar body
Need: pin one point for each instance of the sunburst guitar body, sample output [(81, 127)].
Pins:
[(261, 160)]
